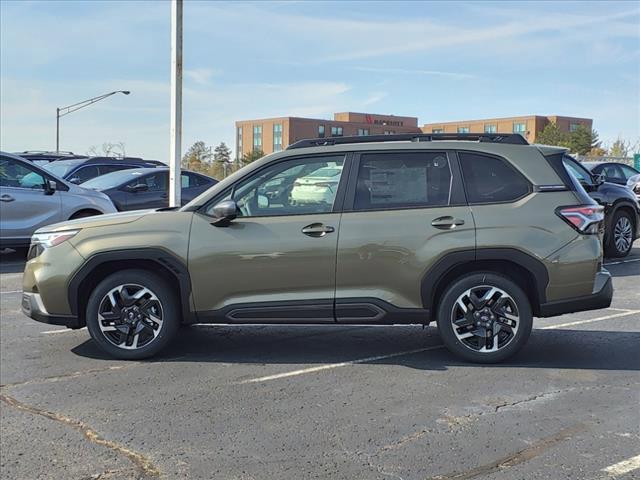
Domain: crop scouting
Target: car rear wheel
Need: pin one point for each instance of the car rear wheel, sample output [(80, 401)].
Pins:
[(484, 318), (620, 238), (133, 314)]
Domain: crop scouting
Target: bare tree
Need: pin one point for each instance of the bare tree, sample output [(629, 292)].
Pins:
[(108, 149)]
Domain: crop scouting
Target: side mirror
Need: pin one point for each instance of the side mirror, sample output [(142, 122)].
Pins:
[(599, 178), (224, 212), (50, 187), (140, 187), (75, 180)]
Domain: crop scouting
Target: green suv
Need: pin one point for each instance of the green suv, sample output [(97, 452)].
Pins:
[(478, 232)]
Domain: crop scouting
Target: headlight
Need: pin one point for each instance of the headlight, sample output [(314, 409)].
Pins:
[(40, 241)]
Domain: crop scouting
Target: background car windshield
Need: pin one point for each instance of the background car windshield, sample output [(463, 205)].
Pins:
[(111, 180), (61, 167)]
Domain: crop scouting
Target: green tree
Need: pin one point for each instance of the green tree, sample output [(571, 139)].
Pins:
[(222, 153), (198, 157), (252, 156), (552, 135), (620, 148), (582, 140)]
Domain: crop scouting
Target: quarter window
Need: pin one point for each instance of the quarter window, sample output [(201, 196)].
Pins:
[(295, 187), (491, 180), (402, 180)]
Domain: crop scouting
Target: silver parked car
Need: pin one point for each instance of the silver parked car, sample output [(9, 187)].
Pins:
[(31, 197)]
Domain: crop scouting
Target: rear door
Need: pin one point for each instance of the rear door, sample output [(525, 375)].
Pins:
[(403, 211)]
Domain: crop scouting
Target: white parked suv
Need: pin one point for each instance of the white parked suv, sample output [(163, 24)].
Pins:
[(31, 197)]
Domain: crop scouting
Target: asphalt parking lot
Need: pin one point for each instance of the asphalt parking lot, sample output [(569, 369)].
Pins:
[(351, 402)]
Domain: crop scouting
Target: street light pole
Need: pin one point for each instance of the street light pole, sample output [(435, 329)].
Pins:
[(175, 140), (62, 111)]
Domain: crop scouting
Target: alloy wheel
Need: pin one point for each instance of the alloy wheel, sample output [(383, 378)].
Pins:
[(485, 318), (623, 234), (130, 316)]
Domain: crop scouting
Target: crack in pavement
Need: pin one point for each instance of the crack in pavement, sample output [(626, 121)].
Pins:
[(66, 376), (144, 465), (522, 456)]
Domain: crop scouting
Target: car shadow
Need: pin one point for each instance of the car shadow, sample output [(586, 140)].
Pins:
[(260, 345), (12, 261)]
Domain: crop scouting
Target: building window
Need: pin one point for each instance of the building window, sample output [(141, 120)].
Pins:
[(336, 131), (362, 132), (463, 129), (239, 144), (520, 128), (257, 137), (437, 130), (573, 127), (320, 131), (490, 128), (277, 137), (389, 132)]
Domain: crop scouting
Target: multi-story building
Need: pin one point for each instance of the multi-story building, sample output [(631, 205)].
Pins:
[(528, 126), (274, 134)]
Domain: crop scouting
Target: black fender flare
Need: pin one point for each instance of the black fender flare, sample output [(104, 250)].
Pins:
[(165, 259), (451, 260)]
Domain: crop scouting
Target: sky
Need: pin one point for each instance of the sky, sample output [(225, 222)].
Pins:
[(245, 60)]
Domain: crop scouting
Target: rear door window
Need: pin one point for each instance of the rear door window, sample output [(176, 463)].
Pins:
[(491, 180), (402, 180)]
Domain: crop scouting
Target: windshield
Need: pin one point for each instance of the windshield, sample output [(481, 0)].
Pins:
[(113, 179), (61, 167)]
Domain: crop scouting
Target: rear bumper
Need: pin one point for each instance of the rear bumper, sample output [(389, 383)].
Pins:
[(600, 298), (33, 307)]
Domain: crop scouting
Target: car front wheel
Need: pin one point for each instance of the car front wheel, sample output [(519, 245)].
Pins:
[(484, 318), (132, 314)]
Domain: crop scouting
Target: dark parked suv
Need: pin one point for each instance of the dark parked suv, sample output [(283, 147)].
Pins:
[(478, 232)]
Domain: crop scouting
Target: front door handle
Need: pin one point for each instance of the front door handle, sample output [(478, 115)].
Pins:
[(317, 230), (6, 198), (447, 223)]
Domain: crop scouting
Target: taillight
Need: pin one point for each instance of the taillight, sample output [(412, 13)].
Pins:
[(585, 219)]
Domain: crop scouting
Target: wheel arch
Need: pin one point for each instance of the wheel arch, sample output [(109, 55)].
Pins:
[(100, 265), (526, 271)]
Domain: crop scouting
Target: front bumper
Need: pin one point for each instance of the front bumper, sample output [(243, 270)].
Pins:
[(33, 307), (599, 298)]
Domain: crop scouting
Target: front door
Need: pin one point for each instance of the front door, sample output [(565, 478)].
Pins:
[(155, 196), (24, 204), (403, 212), (276, 261)]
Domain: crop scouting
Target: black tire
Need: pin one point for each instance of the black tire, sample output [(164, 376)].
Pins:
[(165, 297), (446, 313), (616, 249)]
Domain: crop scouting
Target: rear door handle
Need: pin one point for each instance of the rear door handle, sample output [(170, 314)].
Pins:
[(6, 198), (447, 223), (317, 230)]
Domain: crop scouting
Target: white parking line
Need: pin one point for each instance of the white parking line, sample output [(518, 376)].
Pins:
[(597, 319), (10, 291), (624, 467), (62, 330), (623, 261), (330, 366)]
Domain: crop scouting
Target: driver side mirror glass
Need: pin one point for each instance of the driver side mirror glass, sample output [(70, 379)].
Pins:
[(50, 187), (75, 180), (224, 212)]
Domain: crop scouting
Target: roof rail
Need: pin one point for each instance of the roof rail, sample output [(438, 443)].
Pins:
[(509, 138)]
